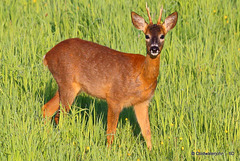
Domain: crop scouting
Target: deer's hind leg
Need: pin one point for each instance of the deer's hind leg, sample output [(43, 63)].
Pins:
[(67, 94), (51, 106)]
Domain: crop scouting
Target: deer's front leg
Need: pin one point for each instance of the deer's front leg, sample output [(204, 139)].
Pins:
[(141, 111), (112, 120)]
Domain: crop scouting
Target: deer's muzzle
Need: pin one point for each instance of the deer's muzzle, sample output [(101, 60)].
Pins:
[(154, 50)]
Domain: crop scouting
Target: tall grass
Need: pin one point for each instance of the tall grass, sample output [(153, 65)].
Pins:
[(196, 103)]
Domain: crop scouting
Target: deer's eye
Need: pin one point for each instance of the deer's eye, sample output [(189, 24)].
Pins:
[(147, 36), (162, 37)]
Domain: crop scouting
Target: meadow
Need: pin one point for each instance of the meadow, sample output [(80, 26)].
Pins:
[(195, 108)]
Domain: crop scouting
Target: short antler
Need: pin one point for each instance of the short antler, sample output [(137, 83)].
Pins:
[(160, 16), (150, 19)]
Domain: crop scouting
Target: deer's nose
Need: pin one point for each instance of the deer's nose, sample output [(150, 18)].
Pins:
[(154, 49)]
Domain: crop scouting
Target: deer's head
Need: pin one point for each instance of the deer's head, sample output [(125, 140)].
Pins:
[(154, 33)]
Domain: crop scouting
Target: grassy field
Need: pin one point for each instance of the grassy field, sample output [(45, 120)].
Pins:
[(196, 103)]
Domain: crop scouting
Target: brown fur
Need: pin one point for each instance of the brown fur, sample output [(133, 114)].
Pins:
[(121, 79)]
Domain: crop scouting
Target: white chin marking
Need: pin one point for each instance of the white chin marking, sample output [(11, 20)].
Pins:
[(154, 54)]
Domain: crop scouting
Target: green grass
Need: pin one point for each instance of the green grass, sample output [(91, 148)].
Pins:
[(196, 103)]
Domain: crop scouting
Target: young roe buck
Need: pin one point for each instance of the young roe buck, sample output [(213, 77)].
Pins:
[(122, 79)]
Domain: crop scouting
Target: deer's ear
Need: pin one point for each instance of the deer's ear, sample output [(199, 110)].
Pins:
[(139, 22), (170, 21)]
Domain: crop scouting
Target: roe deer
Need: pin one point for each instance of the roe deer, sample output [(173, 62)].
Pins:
[(122, 79)]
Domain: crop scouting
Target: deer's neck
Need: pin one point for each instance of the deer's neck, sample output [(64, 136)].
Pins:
[(151, 68)]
